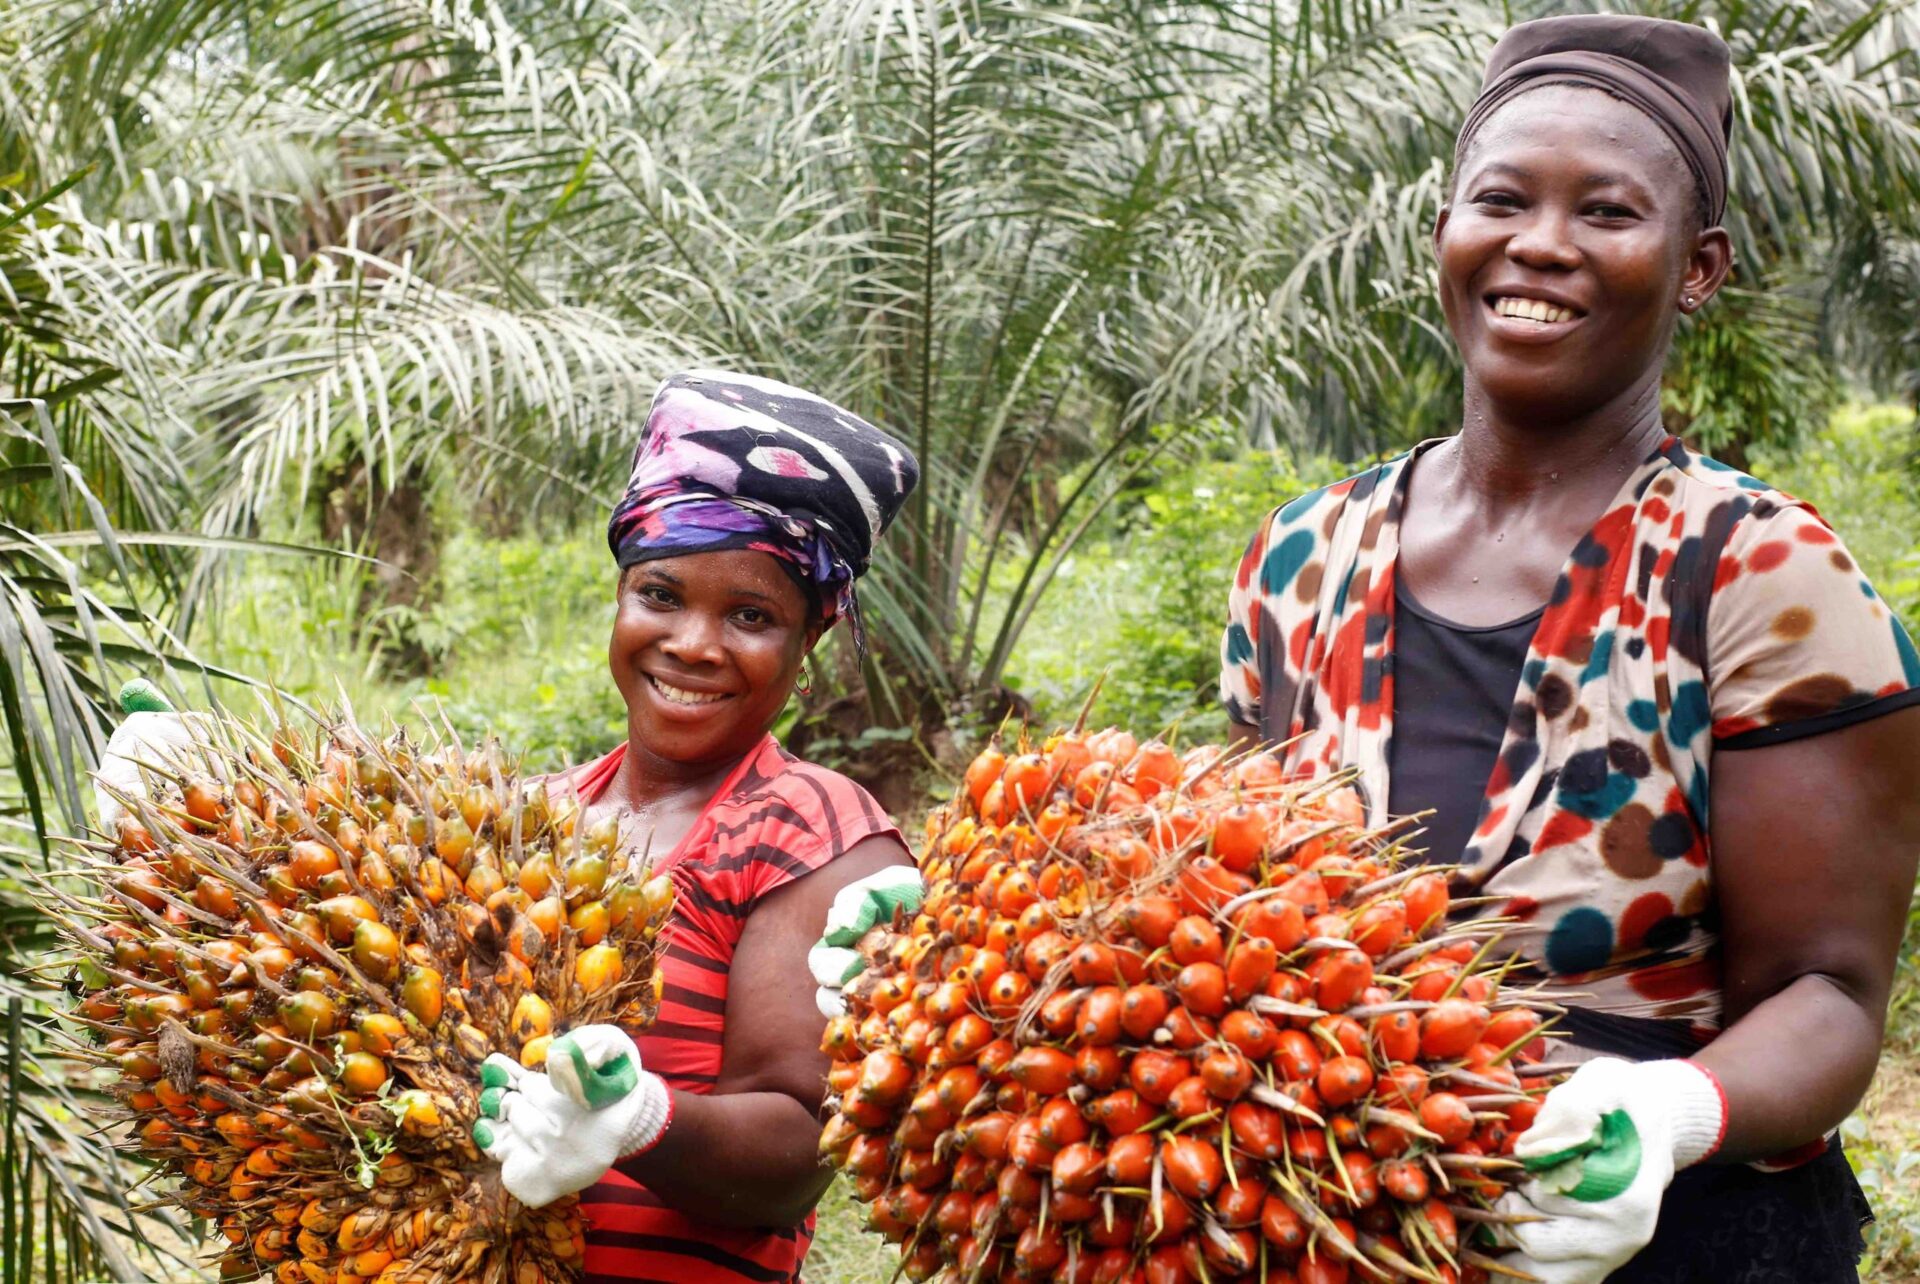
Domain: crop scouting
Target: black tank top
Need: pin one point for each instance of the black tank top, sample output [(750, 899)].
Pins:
[(1453, 688)]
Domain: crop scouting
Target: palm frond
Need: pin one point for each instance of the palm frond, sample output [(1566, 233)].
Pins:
[(419, 225), (69, 1200)]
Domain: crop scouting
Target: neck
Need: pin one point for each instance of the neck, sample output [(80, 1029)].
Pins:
[(1504, 454), (646, 779)]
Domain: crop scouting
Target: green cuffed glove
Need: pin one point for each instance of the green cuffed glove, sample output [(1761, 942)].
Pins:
[(152, 733), (1600, 1155), (857, 910), (557, 1132)]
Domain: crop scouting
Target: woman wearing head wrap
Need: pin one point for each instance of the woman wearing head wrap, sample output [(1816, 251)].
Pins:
[(1652, 707), (752, 510)]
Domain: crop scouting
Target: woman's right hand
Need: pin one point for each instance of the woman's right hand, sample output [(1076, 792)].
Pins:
[(1600, 1157), (558, 1131), (857, 909)]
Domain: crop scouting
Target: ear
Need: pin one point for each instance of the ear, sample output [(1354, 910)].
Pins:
[(1706, 271), (1440, 225)]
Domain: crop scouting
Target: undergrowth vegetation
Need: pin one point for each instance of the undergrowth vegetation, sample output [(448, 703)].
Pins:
[(1860, 474)]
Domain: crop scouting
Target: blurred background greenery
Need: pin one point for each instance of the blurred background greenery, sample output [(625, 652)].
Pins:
[(325, 327)]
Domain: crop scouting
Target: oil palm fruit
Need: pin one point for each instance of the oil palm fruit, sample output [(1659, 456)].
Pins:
[(1171, 1017), (292, 958)]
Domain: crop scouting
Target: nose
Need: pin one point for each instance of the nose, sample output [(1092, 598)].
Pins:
[(694, 638), (1544, 240)]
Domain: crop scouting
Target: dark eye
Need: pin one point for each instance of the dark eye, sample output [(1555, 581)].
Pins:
[(657, 595), (1610, 211), (752, 617), (1499, 200)]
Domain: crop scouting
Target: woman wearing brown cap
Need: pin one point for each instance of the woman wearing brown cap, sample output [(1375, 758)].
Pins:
[(1651, 705)]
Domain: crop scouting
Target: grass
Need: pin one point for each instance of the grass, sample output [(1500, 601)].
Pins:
[(844, 1252), (1883, 1141), (512, 640)]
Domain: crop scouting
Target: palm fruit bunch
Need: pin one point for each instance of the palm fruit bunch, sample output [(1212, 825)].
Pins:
[(1167, 1018), (293, 956)]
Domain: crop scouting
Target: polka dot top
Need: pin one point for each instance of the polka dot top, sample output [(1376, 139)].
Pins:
[(1704, 611)]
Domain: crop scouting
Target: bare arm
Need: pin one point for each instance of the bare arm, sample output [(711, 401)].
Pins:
[(745, 1155), (1814, 850)]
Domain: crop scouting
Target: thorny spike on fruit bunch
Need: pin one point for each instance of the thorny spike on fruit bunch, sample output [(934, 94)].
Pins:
[(1169, 1018), (298, 952)]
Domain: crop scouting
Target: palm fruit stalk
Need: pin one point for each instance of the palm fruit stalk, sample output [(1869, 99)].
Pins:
[(1167, 1018), (292, 958)]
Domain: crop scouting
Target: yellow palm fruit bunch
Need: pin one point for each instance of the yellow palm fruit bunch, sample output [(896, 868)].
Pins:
[(294, 955)]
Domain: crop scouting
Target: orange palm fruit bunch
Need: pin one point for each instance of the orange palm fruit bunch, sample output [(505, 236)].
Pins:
[(1168, 1017), (293, 956)]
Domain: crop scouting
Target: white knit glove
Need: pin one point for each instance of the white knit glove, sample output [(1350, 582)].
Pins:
[(152, 734), (856, 910), (1602, 1152), (559, 1132)]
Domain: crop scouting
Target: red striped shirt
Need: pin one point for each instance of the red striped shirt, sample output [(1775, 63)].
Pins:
[(775, 819)]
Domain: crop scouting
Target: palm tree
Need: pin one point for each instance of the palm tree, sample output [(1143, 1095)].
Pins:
[(87, 483), (1024, 235)]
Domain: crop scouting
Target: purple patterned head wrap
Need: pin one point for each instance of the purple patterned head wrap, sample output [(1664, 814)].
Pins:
[(731, 461)]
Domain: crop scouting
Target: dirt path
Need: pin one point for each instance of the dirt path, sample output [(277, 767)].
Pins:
[(1884, 1142)]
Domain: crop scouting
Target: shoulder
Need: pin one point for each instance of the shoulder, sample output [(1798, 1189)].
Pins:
[(1763, 540), (1706, 493), (1288, 536), (802, 806), (587, 780), (1792, 635), (1321, 507)]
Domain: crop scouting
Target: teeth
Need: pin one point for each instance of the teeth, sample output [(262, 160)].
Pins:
[(1531, 309), (679, 695)]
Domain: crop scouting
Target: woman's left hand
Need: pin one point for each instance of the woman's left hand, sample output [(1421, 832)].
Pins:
[(858, 909), (1602, 1152), (559, 1132)]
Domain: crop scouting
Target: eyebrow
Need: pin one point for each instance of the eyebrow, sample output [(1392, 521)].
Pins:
[(656, 573), (1598, 179), (1501, 167)]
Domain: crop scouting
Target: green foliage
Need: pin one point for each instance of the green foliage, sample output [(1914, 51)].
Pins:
[(1883, 1145), (1749, 371), (468, 238), (515, 640), (531, 616), (1861, 473), (1145, 600)]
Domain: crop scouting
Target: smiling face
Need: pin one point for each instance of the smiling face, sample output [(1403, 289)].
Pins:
[(705, 651), (1567, 252)]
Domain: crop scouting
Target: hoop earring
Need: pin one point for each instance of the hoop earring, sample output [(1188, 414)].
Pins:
[(805, 685)]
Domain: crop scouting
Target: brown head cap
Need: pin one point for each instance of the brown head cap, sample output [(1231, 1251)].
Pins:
[(1675, 72)]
